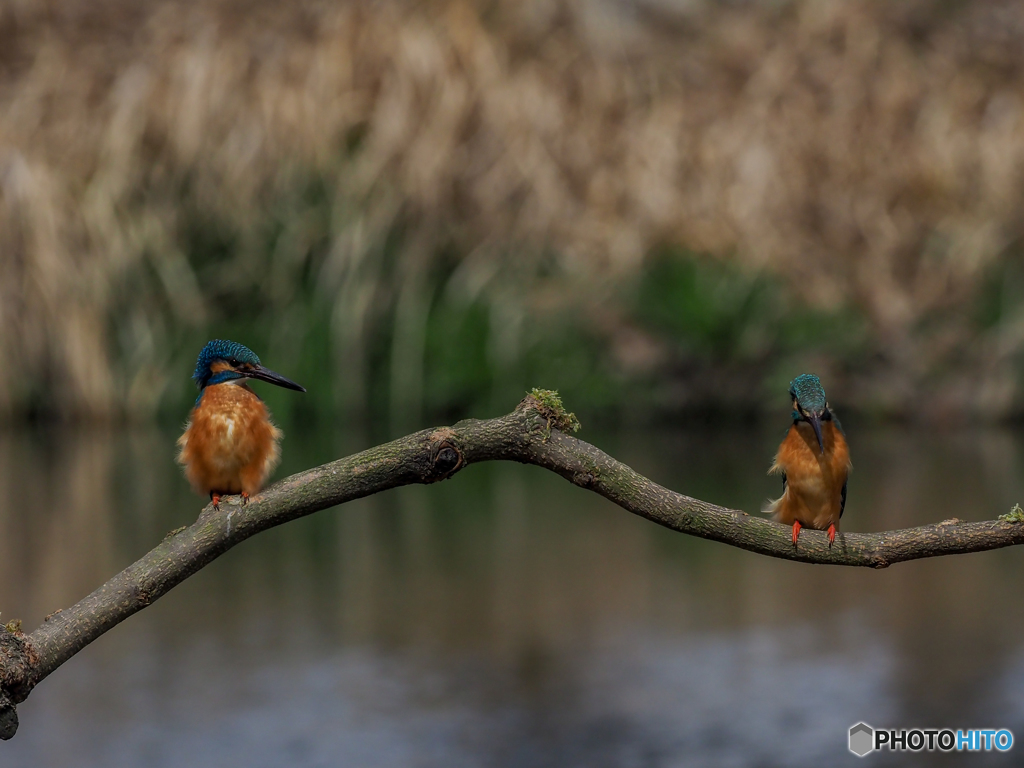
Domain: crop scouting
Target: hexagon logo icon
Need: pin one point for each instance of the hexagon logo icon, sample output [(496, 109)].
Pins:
[(862, 739)]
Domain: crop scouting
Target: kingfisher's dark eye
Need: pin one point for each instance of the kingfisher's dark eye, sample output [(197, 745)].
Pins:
[(233, 362)]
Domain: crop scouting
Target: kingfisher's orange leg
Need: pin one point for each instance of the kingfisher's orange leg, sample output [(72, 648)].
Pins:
[(831, 535), (215, 498), (796, 531), (245, 498)]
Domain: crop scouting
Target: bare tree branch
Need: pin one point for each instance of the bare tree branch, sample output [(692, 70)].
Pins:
[(535, 433)]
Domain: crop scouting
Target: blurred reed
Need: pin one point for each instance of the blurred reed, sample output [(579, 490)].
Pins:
[(357, 189)]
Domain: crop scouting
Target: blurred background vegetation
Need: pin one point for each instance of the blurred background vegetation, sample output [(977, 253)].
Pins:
[(422, 209)]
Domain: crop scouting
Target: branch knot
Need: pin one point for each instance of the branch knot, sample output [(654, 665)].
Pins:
[(445, 455)]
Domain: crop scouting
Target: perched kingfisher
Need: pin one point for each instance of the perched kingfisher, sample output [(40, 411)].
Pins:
[(230, 443), (814, 461)]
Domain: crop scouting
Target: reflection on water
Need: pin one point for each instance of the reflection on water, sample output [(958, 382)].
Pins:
[(507, 618)]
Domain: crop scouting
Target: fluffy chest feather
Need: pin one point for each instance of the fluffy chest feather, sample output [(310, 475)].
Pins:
[(230, 444), (814, 479), (230, 420)]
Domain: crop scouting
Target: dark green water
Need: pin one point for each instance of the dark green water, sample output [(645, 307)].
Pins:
[(507, 618)]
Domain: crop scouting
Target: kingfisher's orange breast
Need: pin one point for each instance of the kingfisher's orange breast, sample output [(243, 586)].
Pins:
[(814, 480), (229, 445)]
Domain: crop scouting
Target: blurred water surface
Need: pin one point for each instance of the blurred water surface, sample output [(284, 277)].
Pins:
[(507, 618)]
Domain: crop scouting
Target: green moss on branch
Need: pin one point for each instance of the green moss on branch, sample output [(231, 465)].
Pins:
[(1015, 515), (549, 404)]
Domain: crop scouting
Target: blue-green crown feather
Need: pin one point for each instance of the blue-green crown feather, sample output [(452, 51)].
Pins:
[(219, 349), (806, 389)]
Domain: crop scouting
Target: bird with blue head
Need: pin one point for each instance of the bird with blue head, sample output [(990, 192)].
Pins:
[(814, 461), (230, 445)]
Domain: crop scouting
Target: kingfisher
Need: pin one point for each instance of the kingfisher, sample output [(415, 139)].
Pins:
[(814, 461), (230, 445)]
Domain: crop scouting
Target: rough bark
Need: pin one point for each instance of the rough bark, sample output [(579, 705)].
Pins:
[(532, 434)]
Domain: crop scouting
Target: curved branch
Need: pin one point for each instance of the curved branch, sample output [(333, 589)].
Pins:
[(532, 434)]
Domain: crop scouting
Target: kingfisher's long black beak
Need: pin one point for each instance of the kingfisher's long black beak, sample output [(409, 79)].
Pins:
[(815, 420), (265, 374)]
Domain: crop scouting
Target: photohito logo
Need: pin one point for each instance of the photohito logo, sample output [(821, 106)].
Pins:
[(861, 739), (865, 739)]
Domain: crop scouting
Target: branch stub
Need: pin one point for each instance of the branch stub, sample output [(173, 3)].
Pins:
[(8, 718)]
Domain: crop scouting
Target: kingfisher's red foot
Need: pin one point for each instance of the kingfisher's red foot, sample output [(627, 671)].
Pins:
[(245, 498), (831, 535), (215, 498), (796, 531)]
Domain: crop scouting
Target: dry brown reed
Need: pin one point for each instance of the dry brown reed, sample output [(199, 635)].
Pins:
[(871, 156)]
